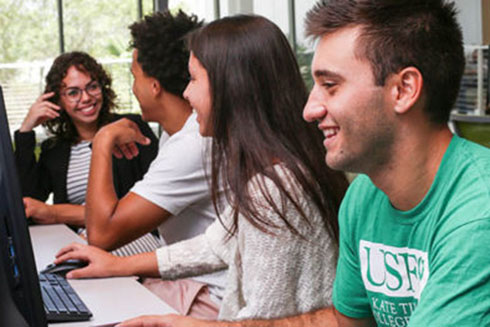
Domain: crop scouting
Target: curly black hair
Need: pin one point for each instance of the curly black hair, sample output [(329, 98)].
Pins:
[(62, 127), (162, 52)]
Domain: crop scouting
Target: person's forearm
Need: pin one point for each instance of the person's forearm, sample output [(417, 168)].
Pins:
[(101, 199), (144, 264), (323, 317), (188, 258), (71, 214)]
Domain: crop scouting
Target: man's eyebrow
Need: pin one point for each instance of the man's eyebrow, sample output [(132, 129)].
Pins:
[(326, 73)]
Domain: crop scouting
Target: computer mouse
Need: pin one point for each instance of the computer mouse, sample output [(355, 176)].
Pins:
[(64, 267)]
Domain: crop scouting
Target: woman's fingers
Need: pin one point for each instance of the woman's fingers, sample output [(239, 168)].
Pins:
[(50, 105), (72, 247)]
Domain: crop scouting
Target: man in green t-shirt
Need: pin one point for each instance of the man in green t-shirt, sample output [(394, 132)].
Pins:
[(415, 224)]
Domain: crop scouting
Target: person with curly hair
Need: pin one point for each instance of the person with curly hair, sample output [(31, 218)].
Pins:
[(77, 101)]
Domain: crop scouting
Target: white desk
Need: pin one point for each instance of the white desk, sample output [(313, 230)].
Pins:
[(110, 299)]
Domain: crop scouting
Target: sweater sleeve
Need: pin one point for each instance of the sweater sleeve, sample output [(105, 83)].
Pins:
[(202, 254), (33, 177)]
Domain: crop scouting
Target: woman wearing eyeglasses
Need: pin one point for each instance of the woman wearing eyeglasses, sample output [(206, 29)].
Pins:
[(78, 100)]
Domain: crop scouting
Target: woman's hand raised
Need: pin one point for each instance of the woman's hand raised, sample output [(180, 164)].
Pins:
[(41, 111)]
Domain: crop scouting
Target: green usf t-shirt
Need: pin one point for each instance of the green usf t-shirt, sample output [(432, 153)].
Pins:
[(429, 266)]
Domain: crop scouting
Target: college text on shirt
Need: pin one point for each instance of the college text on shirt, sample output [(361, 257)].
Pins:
[(398, 275)]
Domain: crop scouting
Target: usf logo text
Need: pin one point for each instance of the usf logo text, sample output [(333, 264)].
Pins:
[(394, 271)]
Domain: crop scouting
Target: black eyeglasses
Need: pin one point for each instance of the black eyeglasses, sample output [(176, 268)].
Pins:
[(74, 94)]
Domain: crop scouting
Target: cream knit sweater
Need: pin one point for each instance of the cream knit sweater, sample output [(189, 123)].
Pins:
[(269, 276)]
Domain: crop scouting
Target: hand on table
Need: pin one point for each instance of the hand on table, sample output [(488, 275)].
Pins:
[(38, 211), (100, 263)]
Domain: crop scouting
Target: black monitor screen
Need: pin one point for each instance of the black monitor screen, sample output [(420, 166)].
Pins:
[(20, 296)]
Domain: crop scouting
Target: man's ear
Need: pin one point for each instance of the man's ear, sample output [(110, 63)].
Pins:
[(407, 89), (156, 88)]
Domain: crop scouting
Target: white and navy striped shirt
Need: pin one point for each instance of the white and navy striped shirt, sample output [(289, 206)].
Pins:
[(78, 169)]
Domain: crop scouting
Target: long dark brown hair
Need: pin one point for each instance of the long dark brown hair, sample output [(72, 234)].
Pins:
[(257, 100), (62, 127)]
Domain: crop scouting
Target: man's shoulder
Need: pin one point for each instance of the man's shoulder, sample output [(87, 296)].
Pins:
[(181, 154), (463, 187), (188, 139), (469, 176), (190, 128), (470, 153)]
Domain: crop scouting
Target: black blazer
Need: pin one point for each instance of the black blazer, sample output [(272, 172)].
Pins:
[(39, 178)]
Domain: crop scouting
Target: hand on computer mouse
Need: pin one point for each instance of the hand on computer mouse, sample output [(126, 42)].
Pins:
[(64, 267), (100, 262)]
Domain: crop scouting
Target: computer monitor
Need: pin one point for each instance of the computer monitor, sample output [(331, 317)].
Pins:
[(20, 295)]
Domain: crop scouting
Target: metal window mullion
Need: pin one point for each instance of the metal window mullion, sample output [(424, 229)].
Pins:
[(217, 9), (292, 23), (60, 26), (160, 5), (139, 4)]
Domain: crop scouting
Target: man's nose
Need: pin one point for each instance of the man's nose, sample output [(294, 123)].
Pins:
[(315, 108)]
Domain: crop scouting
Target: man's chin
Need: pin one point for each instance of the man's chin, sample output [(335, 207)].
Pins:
[(336, 163), (332, 163)]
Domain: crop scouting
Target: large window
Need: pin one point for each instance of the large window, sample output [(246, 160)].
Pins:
[(28, 39), (31, 37)]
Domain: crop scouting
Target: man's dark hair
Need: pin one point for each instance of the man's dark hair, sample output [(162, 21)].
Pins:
[(162, 52), (400, 33), (62, 127)]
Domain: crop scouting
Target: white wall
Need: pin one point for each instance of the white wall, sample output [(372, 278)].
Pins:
[(204, 9), (470, 19)]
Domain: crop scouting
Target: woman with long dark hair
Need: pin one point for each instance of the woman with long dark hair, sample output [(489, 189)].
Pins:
[(278, 231)]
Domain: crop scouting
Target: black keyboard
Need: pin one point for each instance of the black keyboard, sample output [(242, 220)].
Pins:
[(61, 303)]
